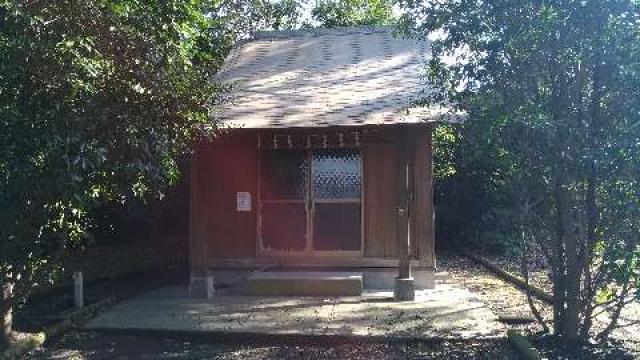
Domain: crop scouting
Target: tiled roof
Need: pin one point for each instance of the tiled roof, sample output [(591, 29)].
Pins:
[(322, 77)]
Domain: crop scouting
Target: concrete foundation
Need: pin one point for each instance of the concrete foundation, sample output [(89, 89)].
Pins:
[(448, 311), (404, 289), (201, 287)]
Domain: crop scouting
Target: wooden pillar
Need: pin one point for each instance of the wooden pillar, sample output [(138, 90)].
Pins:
[(422, 202), (201, 281), (403, 145), (195, 216)]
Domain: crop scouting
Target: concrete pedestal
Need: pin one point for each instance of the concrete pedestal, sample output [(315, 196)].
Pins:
[(404, 289), (201, 286)]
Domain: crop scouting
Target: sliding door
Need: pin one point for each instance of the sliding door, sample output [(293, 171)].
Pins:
[(311, 201)]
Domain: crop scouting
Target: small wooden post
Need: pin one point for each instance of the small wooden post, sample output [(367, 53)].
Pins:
[(78, 289), (7, 318)]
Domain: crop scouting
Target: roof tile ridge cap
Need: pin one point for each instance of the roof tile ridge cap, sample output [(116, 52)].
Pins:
[(347, 30)]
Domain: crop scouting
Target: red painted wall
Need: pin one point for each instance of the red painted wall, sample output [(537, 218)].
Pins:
[(224, 169)]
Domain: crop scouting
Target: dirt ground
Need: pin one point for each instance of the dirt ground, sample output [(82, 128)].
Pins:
[(505, 299), (91, 345), (501, 297)]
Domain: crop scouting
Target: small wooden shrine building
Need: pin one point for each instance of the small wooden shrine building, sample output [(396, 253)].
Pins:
[(323, 158)]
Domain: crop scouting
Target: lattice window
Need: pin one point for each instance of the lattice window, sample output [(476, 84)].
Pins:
[(284, 174), (337, 174)]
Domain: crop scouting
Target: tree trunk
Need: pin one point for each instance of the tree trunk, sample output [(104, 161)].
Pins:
[(572, 277), (593, 215), (587, 256), (6, 313), (571, 318), (557, 264)]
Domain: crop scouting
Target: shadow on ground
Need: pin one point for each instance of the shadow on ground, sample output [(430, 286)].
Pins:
[(94, 345)]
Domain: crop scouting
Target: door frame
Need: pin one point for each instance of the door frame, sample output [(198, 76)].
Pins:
[(309, 202)]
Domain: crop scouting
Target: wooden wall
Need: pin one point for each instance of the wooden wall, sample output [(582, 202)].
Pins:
[(421, 207), (380, 196), (230, 165), (379, 200), (221, 170)]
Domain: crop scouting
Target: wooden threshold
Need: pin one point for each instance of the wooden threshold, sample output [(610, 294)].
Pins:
[(311, 262), (307, 254)]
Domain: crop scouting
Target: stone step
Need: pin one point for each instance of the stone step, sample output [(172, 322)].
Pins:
[(290, 283)]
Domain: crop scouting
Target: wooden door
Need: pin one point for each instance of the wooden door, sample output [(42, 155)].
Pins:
[(336, 178), (284, 200), (311, 201)]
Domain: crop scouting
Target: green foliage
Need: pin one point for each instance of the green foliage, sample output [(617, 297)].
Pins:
[(445, 142), (336, 13), (549, 155), (98, 100), (283, 14), (233, 19)]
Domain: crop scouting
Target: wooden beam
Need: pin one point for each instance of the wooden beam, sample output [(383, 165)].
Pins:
[(310, 261), (403, 145)]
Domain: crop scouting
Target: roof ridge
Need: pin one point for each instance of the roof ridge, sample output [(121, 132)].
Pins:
[(348, 30)]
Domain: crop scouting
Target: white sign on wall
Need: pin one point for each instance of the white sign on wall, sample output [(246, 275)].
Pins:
[(243, 201)]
